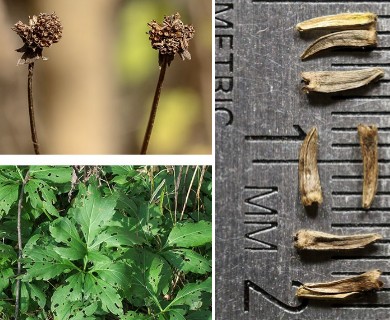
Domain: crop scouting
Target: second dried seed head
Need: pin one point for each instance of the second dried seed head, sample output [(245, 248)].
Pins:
[(171, 37)]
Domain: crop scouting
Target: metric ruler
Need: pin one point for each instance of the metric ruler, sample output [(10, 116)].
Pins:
[(262, 117)]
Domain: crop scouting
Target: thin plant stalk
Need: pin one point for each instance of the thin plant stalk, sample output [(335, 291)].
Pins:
[(20, 246), (153, 112), (41, 32), (34, 136)]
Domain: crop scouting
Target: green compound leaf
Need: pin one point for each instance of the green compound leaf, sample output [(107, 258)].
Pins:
[(177, 314), (117, 237), (187, 260), (7, 254), (92, 211), (64, 231), (123, 174), (132, 315), (56, 174), (190, 234), (103, 292), (37, 294), (150, 275), (190, 295), (5, 276), (149, 217), (10, 174), (67, 301), (126, 204), (200, 315), (8, 196), (114, 273), (41, 197), (42, 262)]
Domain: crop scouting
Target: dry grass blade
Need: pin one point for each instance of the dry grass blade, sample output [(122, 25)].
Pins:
[(349, 38), (341, 289), (309, 179), (321, 241), (368, 136), (336, 81), (343, 21)]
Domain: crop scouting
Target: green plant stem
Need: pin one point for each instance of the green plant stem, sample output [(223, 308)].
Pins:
[(153, 112), (20, 246), (34, 136)]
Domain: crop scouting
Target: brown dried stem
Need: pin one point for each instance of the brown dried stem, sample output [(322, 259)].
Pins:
[(341, 289), (309, 179), (156, 99), (369, 145), (321, 241), (34, 136)]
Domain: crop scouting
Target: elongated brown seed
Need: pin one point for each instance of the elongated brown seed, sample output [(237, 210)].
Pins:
[(321, 241), (341, 289), (309, 179), (336, 81), (343, 21), (368, 136), (349, 38)]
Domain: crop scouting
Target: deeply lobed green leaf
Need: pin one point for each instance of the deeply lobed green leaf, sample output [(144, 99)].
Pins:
[(187, 260), (92, 211), (188, 234)]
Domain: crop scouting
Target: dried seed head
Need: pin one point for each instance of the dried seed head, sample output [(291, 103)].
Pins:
[(42, 31), (171, 37)]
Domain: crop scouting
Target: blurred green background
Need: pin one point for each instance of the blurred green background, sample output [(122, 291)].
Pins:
[(94, 94)]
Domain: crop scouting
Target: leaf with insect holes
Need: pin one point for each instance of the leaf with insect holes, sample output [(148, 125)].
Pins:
[(126, 204), (36, 294), (133, 315), (5, 276), (149, 217), (200, 315), (41, 197), (55, 174), (64, 231), (8, 196), (67, 301), (187, 260), (150, 275), (114, 273), (92, 212), (41, 260), (177, 313), (190, 295), (104, 292), (7, 254), (190, 234), (123, 174), (10, 174)]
